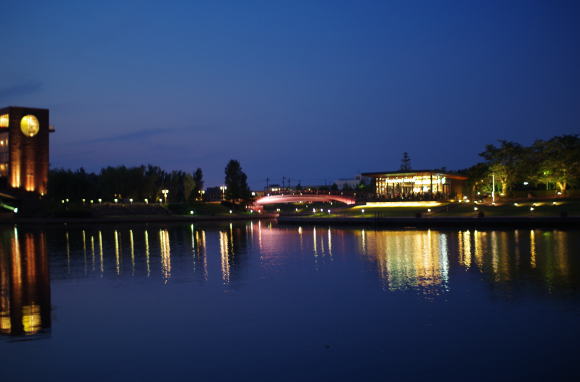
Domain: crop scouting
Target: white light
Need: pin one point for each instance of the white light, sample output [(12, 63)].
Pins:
[(515, 204), (475, 208), (191, 212), (526, 183), (531, 208), (230, 211), (146, 201), (363, 210), (16, 210), (314, 210), (115, 200), (131, 200), (100, 200), (328, 211), (428, 209)]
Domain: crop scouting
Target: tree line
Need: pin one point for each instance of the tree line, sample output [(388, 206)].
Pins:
[(552, 164), (124, 183)]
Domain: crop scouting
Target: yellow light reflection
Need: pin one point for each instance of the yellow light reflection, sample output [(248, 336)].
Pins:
[(165, 250)]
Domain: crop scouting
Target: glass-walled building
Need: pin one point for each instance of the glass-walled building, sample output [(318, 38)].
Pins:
[(417, 185)]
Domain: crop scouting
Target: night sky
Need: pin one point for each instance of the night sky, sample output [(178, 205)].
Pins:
[(311, 90)]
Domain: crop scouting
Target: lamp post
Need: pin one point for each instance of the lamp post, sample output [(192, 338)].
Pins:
[(223, 189), (492, 188), (165, 191)]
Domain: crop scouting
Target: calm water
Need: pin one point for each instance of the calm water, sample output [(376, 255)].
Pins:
[(260, 302)]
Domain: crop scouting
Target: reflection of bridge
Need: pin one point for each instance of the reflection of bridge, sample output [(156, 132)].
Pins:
[(275, 199)]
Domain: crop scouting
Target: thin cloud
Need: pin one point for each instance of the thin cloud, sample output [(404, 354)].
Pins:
[(19, 90), (133, 135)]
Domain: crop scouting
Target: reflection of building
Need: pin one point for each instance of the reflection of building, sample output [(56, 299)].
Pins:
[(417, 184), (24, 148), (24, 284), (408, 259)]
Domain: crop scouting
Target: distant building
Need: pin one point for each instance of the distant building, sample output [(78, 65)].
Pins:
[(421, 184), (24, 140), (352, 182)]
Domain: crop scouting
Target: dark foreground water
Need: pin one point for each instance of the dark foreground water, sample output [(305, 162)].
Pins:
[(260, 302)]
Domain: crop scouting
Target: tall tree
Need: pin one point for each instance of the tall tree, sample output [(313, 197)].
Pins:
[(236, 182), (198, 187), (406, 162)]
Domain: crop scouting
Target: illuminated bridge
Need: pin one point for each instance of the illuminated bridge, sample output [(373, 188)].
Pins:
[(304, 198)]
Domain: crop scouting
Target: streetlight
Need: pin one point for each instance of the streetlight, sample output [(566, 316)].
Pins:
[(493, 188), (165, 191), (223, 189)]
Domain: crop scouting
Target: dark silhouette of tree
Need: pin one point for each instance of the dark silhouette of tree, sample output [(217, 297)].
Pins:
[(198, 187), (406, 162), (236, 182)]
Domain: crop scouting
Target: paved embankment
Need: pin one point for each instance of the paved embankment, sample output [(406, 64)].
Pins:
[(132, 219), (467, 222)]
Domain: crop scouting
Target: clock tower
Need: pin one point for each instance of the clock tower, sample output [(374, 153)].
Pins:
[(24, 135)]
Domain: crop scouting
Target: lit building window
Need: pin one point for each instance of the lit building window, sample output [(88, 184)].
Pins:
[(4, 120)]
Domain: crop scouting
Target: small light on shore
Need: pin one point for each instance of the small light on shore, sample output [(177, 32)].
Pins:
[(328, 211), (531, 208), (116, 200), (428, 209), (363, 210), (475, 208), (230, 211), (191, 212)]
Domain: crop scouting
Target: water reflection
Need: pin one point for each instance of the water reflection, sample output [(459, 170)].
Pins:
[(426, 262), (408, 259), (24, 283)]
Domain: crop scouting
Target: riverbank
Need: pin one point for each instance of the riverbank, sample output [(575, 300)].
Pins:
[(427, 222), (12, 219)]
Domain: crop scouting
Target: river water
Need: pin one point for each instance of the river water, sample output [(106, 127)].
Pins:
[(254, 301)]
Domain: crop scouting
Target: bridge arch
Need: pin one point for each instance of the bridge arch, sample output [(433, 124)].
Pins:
[(305, 198)]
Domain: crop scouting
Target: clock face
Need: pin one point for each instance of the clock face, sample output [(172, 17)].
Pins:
[(29, 125)]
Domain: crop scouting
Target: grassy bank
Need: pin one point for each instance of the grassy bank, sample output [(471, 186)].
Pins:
[(511, 209)]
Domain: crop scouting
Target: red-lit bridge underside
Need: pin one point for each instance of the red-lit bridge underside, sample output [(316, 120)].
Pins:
[(306, 198)]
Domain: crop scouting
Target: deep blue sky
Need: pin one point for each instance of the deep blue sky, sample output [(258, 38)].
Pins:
[(311, 90)]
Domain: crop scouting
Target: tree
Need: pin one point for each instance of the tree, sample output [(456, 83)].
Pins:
[(478, 178), (198, 180), (506, 162), (558, 161), (406, 162), (236, 182)]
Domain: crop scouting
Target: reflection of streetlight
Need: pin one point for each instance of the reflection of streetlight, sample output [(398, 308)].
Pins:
[(165, 191)]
